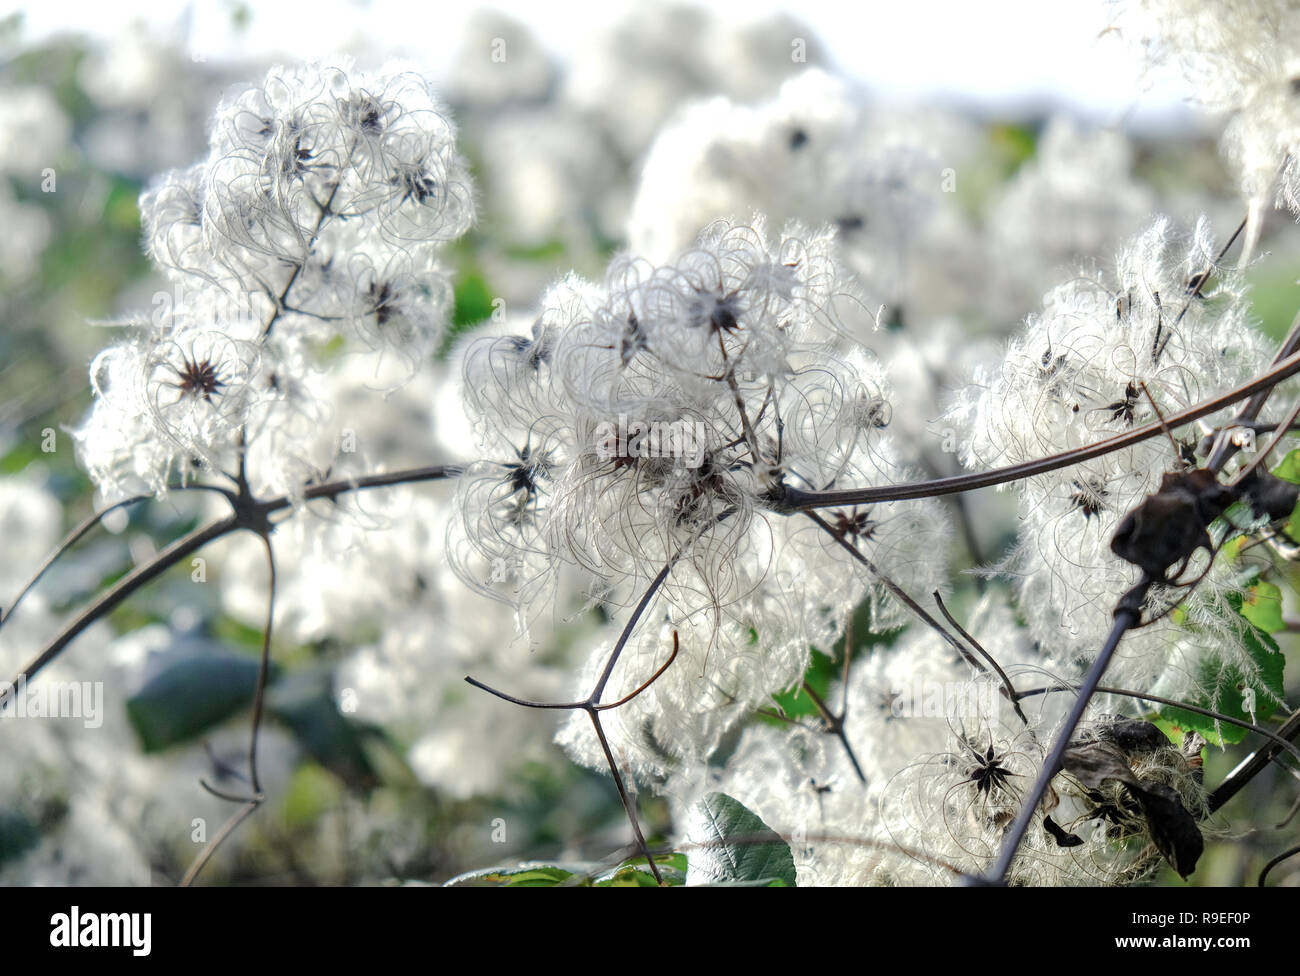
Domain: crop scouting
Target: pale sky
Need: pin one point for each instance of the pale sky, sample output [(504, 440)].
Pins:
[(992, 52)]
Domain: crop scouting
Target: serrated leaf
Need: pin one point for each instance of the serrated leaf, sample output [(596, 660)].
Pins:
[(1228, 690), (200, 688), (731, 844)]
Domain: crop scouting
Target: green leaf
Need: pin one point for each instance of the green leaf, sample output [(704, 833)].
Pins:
[(18, 835), (1263, 607), (731, 845), (190, 695), (1016, 144), (825, 669), (634, 873), (1229, 690), (311, 793), (627, 878), (1293, 524), (1288, 468), (676, 861), (518, 876)]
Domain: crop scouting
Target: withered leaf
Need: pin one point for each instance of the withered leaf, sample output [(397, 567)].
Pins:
[(1059, 834), (1092, 763), (1133, 736), (1173, 830)]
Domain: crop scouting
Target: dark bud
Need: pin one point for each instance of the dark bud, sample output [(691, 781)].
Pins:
[(1170, 525)]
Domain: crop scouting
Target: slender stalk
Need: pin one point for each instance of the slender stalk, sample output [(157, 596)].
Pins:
[(898, 592), (1126, 616), (1252, 765), (591, 704), (798, 499), (1173, 703), (118, 592), (1285, 855), (81, 530), (280, 306), (249, 514), (1262, 456), (70, 540), (226, 830), (263, 671), (405, 476), (251, 803), (835, 726), (646, 597), (1224, 448), (629, 807), (1012, 695), (648, 681)]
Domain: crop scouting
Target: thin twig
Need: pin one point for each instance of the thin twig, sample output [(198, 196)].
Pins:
[(591, 704), (250, 514), (118, 592), (1224, 448), (835, 726), (1252, 765), (892, 587), (263, 671), (1012, 696), (648, 681), (798, 499), (210, 848), (257, 798), (1127, 614), (1285, 855), (629, 807), (1174, 703), (1273, 442), (78, 533)]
